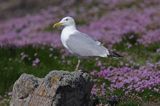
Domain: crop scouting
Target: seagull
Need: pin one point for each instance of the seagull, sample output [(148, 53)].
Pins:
[(80, 44)]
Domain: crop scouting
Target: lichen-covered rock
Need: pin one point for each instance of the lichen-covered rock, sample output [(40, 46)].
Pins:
[(58, 88)]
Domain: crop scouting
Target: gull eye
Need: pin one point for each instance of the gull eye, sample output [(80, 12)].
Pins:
[(66, 19)]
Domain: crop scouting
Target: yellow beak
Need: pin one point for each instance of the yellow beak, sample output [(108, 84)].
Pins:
[(58, 24)]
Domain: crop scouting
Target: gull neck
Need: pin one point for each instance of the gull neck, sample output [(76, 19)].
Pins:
[(70, 27)]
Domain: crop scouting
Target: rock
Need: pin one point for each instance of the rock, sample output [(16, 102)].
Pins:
[(58, 88)]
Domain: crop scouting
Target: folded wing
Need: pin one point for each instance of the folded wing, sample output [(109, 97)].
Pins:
[(83, 45)]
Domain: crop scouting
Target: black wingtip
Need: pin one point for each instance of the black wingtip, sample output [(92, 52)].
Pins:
[(114, 54)]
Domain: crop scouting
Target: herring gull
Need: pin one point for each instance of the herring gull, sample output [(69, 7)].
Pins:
[(79, 43)]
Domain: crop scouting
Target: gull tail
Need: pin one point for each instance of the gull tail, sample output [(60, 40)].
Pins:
[(114, 54)]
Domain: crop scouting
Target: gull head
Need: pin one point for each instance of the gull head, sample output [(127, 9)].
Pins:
[(66, 21)]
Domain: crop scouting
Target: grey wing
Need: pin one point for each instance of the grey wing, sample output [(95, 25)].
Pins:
[(83, 45)]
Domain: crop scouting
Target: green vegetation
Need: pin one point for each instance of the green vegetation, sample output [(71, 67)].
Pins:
[(15, 61)]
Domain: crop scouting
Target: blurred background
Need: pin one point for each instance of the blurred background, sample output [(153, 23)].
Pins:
[(29, 44)]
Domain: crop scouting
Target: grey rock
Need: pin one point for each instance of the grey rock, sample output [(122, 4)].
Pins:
[(58, 88)]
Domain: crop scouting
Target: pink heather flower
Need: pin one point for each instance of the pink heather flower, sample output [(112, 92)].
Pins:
[(36, 62), (30, 29), (93, 73), (103, 89), (94, 90), (145, 77), (156, 89), (99, 63), (138, 89)]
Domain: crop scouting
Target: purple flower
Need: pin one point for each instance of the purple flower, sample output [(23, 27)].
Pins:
[(130, 79), (94, 90), (103, 89), (110, 28), (36, 62)]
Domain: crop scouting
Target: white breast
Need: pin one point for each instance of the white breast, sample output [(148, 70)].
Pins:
[(66, 32)]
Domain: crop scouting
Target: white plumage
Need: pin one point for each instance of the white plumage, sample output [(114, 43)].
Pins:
[(79, 43)]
